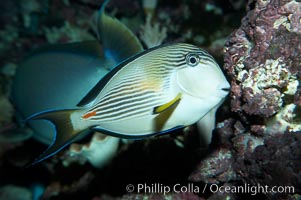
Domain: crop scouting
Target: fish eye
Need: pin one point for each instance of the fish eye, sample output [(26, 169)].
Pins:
[(192, 60)]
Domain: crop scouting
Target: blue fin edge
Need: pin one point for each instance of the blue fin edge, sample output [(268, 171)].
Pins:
[(134, 136)]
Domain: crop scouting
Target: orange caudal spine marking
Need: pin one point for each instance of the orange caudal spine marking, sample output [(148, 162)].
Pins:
[(89, 114)]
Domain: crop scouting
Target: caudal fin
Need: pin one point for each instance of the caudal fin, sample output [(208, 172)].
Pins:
[(64, 134)]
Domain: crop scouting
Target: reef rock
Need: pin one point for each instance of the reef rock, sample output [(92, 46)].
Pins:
[(262, 58), (262, 139), (274, 164)]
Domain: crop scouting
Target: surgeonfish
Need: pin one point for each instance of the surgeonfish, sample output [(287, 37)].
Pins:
[(145, 93), (59, 76), (154, 92)]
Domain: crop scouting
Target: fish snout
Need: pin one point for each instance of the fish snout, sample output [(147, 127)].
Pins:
[(223, 89)]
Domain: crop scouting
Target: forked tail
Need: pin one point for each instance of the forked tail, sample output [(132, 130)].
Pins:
[(64, 132)]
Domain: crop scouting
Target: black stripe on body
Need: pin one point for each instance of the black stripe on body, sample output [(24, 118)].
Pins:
[(141, 83)]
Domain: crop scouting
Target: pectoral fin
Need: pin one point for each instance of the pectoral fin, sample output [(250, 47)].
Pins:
[(166, 106)]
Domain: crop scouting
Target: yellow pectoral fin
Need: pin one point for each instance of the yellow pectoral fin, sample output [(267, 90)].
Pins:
[(166, 106)]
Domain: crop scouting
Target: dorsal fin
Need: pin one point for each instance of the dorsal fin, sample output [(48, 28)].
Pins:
[(118, 41), (119, 44)]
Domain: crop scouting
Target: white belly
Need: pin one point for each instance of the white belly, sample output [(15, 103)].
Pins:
[(187, 112)]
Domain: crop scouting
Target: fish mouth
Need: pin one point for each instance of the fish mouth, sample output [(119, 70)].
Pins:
[(226, 89), (223, 88)]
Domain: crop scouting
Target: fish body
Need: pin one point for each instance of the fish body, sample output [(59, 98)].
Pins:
[(126, 102), (59, 76), (131, 93), (153, 92), (49, 79)]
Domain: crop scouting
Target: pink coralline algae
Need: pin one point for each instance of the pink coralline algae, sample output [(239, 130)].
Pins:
[(276, 163), (260, 144), (216, 168), (262, 58)]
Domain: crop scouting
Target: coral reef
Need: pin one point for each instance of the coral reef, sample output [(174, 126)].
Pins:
[(67, 33), (263, 165), (152, 35), (149, 7), (260, 59), (215, 169), (7, 114), (259, 144), (257, 139)]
